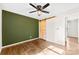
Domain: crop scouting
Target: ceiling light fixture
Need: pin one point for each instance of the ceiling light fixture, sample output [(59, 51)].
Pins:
[(39, 13)]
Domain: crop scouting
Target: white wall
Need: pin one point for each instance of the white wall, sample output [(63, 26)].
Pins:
[(55, 30), (0, 28), (78, 30)]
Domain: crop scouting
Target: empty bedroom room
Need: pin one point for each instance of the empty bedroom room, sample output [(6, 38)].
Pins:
[(39, 28)]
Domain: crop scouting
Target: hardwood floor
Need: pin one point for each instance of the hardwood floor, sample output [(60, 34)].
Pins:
[(72, 46), (40, 47)]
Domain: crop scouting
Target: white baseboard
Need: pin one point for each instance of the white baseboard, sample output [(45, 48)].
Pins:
[(57, 42), (19, 43)]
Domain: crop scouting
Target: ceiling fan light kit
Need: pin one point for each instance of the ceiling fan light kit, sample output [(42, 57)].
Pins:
[(39, 13)]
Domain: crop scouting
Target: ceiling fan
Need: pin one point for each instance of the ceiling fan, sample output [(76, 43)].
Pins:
[(39, 8)]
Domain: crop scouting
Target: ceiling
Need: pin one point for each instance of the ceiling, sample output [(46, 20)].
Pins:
[(24, 9)]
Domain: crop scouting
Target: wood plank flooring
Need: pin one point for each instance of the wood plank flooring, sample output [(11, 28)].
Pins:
[(41, 47), (72, 46)]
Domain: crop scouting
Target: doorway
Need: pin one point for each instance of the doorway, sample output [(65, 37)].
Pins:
[(71, 34)]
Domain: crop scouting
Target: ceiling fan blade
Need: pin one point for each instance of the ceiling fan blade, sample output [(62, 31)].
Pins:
[(32, 11), (32, 5), (45, 5), (45, 12)]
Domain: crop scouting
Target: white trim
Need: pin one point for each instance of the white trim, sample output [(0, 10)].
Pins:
[(19, 43), (57, 43)]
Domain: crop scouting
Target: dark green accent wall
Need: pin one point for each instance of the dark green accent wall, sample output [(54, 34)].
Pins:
[(17, 28)]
